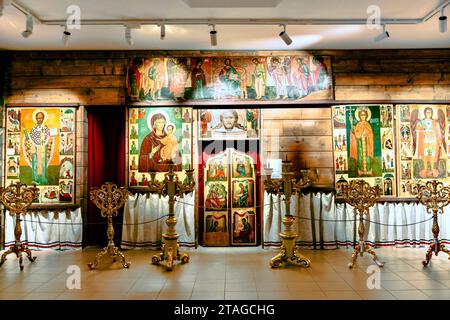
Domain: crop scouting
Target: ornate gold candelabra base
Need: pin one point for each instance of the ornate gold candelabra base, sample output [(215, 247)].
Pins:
[(289, 254), (17, 198), (113, 252), (360, 248), (109, 198), (435, 197), (18, 249), (170, 249), (435, 248)]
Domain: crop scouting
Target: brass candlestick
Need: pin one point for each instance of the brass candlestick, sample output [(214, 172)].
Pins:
[(171, 186), (109, 198), (287, 186), (361, 196), (17, 198), (434, 196)]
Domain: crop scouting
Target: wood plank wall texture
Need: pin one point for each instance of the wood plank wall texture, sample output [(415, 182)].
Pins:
[(98, 78)]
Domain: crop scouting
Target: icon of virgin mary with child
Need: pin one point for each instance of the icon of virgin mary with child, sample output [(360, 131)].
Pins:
[(160, 146)]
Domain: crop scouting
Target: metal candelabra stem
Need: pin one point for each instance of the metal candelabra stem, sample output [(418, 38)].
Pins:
[(17, 198), (361, 196), (109, 198), (287, 186), (435, 197), (171, 186)]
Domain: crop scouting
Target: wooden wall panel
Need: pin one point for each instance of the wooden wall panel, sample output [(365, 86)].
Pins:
[(303, 136)]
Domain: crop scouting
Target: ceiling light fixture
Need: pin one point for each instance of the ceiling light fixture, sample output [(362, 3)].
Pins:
[(3, 4), (443, 22), (283, 35), (213, 35), (65, 37), (163, 31), (29, 27), (383, 35)]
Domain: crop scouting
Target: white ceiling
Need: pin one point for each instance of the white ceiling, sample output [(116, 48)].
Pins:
[(188, 37)]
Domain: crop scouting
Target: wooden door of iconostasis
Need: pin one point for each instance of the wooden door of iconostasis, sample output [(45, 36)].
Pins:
[(229, 177)]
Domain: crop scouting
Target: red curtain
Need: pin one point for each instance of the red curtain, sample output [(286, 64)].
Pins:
[(106, 139)]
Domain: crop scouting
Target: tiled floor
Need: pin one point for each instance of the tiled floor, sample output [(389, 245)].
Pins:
[(229, 273)]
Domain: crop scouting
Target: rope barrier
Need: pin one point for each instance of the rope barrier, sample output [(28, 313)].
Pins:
[(281, 200), (93, 223), (373, 222)]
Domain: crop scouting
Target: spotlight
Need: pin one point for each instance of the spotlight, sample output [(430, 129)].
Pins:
[(213, 35), (3, 4), (128, 36), (283, 35), (442, 22), (383, 35), (163, 31), (65, 37), (29, 27)]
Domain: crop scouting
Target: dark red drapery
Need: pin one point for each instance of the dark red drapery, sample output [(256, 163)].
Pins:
[(106, 158)]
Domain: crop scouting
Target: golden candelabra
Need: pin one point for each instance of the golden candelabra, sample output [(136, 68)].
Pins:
[(17, 198), (109, 198), (361, 196), (171, 186), (287, 186), (434, 196)]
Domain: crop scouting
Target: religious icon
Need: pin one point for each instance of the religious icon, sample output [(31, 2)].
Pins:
[(156, 78), (405, 133), (259, 77), (178, 73), (245, 77), (39, 142), (12, 167), (362, 144), (49, 194), (387, 186), (242, 168), (65, 190), (133, 179), (229, 81), (404, 114), (229, 124), (386, 139), (198, 80), (243, 193), (133, 132), (12, 146), (39, 146), (67, 120), (364, 147), (217, 168), (13, 120), (216, 196), (339, 117), (159, 136), (187, 115), (216, 222), (66, 168), (244, 227), (279, 70), (429, 144), (66, 143)]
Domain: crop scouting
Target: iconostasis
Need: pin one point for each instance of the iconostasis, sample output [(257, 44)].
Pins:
[(391, 146), (40, 149), (156, 137), (229, 178)]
